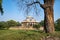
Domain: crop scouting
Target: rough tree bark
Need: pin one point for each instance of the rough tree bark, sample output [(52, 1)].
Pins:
[(48, 16)]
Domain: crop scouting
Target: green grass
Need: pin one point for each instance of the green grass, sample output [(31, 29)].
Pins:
[(23, 35)]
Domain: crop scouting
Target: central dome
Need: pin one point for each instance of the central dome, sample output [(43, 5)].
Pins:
[(29, 19)]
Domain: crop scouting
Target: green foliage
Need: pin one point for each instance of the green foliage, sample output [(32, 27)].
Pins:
[(24, 35), (42, 23), (0, 1), (18, 24), (20, 35), (12, 23), (1, 9), (37, 26), (4, 25), (8, 24), (57, 25)]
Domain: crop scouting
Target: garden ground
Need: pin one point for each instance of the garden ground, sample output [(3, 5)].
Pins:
[(25, 34)]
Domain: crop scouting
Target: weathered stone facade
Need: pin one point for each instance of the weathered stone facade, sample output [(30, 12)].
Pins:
[(29, 22)]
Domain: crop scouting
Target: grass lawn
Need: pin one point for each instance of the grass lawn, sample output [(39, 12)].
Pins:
[(23, 35)]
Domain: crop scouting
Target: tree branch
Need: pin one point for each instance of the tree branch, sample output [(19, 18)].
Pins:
[(41, 5), (32, 3), (1, 9)]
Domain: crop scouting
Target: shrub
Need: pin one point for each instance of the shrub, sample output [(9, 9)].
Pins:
[(4, 25), (37, 26)]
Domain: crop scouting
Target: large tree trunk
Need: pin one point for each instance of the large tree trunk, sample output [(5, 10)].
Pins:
[(48, 20), (48, 16)]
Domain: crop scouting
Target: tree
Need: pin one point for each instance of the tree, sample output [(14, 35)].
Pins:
[(4, 25), (42, 23), (1, 9), (49, 18), (37, 26), (12, 23), (48, 12), (18, 24), (57, 25)]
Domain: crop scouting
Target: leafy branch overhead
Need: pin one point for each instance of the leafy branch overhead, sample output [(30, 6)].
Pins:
[(1, 9), (29, 5), (41, 5)]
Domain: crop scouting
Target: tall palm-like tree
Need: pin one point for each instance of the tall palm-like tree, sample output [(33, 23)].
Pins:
[(1, 9)]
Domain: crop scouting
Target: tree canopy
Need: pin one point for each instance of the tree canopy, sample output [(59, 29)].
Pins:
[(57, 25), (8, 24), (1, 9)]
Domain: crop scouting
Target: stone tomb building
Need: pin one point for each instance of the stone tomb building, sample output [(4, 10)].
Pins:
[(29, 22)]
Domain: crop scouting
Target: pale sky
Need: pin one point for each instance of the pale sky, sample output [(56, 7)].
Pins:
[(12, 12)]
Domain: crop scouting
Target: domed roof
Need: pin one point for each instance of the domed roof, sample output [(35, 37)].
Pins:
[(29, 19)]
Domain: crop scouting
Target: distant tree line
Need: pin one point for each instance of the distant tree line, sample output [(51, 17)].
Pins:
[(56, 24), (8, 24), (12, 23)]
